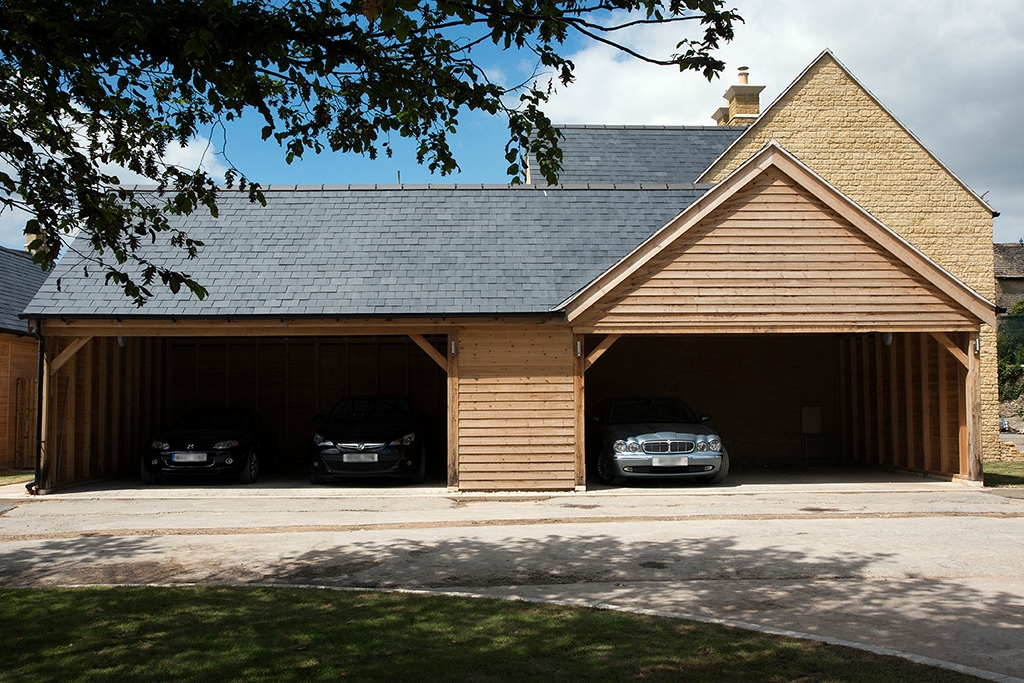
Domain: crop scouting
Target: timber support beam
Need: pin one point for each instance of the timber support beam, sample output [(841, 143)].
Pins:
[(605, 344)]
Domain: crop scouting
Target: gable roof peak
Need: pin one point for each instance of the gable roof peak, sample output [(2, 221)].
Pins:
[(829, 56), (774, 155)]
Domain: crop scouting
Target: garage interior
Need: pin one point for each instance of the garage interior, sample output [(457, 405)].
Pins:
[(115, 393), (894, 400)]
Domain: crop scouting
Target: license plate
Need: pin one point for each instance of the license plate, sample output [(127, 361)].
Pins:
[(188, 457), (677, 461), (359, 457)]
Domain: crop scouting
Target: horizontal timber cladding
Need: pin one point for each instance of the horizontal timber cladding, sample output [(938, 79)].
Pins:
[(775, 258), (516, 409), (902, 404), (289, 380)]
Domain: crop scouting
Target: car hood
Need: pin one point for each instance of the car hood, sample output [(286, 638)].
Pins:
[(658, 430), (370, 432), (201, 439)]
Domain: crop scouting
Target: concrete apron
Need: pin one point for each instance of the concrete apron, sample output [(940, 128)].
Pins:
[(920, 566)]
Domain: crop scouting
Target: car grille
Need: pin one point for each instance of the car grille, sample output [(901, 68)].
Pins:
[(361, 446), (668, 446)]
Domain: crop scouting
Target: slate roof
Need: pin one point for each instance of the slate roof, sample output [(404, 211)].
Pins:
[(401, 250), (1009, 260), (638, 154), (20, 278)]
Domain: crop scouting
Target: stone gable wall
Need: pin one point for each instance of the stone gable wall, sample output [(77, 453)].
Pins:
[(834, 127)]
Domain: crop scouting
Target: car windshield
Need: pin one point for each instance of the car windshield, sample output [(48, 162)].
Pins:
[(215, 418), (370, 410), (631, 411)]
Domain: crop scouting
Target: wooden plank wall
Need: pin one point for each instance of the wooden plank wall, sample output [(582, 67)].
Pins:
[(289, 380), (516, 409), (18, 363), (901, 405), (104, 404), (25, 431), (774, 258)]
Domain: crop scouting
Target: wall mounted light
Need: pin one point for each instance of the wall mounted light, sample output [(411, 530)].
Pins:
[(887, 338), (977, 346), (453, 349), (120, 341), (579, 349)]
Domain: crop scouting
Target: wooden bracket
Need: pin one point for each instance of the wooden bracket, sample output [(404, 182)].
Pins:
[(429, 349), (955, 350), (67, 354), (599, 351)]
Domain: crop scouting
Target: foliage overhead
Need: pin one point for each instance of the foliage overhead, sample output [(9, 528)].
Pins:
[(94, 85)]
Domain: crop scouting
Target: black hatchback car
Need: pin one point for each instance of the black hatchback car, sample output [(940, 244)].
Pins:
[(216, 442), (370, 436)]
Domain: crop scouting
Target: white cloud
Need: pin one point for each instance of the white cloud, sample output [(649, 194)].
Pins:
[(951, 71), (198, 153), (12, 228)]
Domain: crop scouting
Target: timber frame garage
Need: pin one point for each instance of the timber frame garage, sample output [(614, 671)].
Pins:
[(816, 279)]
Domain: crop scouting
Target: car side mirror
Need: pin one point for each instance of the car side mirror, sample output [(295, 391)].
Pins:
[(319, 418), (704, 417)]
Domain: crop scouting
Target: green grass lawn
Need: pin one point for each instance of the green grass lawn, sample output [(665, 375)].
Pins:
[(1004, 473), (16, 477), (294, 634)]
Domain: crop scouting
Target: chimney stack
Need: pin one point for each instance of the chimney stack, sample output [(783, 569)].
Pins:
[(744, 102)]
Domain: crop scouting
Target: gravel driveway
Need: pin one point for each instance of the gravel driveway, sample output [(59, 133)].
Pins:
[(926, 567)]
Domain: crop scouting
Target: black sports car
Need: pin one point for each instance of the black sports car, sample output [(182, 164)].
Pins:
[(368, 437), (216, 442)]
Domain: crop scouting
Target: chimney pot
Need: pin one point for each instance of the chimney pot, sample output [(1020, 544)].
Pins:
[(744, 102)]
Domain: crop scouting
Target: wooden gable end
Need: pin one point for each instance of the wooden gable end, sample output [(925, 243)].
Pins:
[(774, 258)]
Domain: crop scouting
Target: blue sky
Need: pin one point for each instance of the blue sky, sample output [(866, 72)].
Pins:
[(952, 72)]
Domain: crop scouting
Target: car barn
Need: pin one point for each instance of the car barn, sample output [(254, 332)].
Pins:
[(778, 275)]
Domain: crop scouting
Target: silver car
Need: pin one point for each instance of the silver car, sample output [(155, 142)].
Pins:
[(653, 438)]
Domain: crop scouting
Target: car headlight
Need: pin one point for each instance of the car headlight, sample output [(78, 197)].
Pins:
[(404, 441), (160, 446), (634, 447), (224, 445), (702, 445), (715, 445), (321, 441), (620, 446)]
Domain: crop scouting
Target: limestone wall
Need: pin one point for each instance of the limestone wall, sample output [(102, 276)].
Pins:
[(840, 132)]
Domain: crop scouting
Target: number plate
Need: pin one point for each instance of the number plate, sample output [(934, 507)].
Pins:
[(359, 457), (677, 461), (188, 457)]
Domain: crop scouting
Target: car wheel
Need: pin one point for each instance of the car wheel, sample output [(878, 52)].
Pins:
[(252, 469), (421, 473), (147, 477), (719, 476), (606, 471)]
